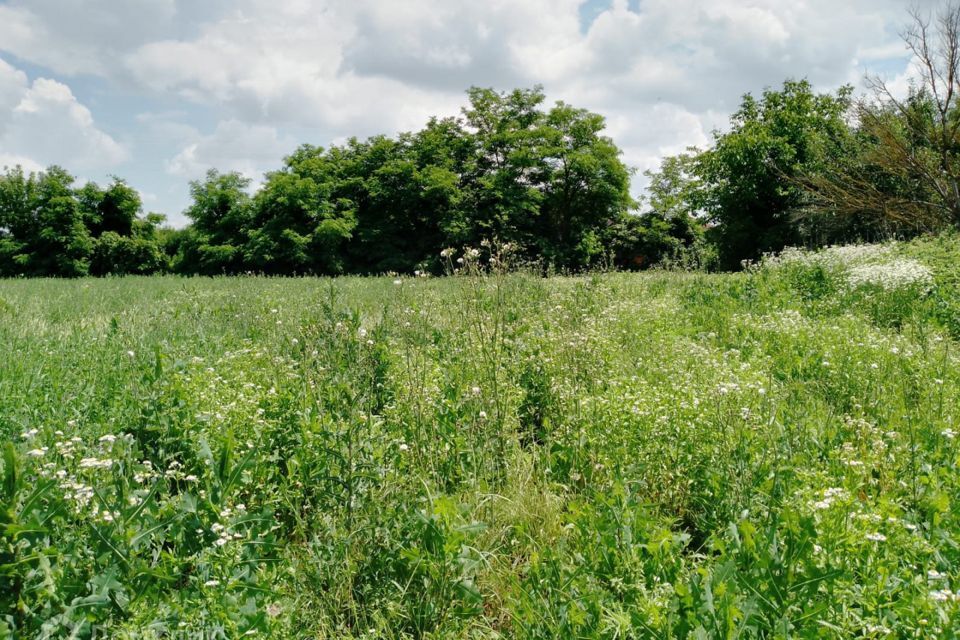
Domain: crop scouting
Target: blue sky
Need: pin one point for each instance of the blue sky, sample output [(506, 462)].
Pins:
[(158, 91)]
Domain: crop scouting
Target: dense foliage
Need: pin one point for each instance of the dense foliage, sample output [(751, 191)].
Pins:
[(767, 454), (794, 168), (49, 228), (545, 180)]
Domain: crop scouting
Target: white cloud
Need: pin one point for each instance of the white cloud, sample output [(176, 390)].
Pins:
[(233, 146), (80, 36), (43, 123)]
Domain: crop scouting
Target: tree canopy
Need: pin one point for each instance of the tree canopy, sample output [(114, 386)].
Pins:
[(794, 167)]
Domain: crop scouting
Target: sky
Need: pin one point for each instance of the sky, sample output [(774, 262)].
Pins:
[(159, 91)]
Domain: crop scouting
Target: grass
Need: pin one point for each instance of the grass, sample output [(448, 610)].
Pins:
[(769, 454)]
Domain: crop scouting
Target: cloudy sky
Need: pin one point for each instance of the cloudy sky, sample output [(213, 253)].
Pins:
[(157, 91)]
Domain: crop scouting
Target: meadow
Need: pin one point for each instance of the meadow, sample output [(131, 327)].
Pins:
[(767, 454)]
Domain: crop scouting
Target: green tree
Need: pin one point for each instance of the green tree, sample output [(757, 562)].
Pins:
[(221, 213), (902, 171), (585, 186), (300, 223), (751, 187), (505, 177), (44, 231), (114, 209)]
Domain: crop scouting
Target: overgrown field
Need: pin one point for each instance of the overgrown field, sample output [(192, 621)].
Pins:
[(767, 454)]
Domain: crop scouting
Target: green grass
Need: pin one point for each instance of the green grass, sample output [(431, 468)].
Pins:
[(761, 455)]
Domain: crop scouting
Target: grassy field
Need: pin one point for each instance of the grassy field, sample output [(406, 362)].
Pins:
[(767, 454)]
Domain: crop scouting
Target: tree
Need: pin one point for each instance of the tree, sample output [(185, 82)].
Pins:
[(114, 209), (750, 179), (585, 186), (904, 172), (504, 178), (45, 234), (221, 213), (300, 223), (16, 202)]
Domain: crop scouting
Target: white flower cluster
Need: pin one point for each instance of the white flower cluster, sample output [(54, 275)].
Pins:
[(858, 265), (96, 463), (944, 595), (830, 495), (834, 257), (898, 274)]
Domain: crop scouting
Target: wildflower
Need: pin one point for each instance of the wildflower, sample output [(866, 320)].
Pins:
[(95, 463), (108, 439), (876, 537), (942, 595), (898, 274), (483, 415), (37, 453), (131, 353), (274, 610), (26, 435), (949, 434), (475, 391), (398, 281), (933, 574), (446, 253), (211, 583)]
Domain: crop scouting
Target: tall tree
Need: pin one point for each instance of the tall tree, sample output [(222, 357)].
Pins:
[(585, 186), (750, 178), (300, 222), (904, 172), (221, 213)]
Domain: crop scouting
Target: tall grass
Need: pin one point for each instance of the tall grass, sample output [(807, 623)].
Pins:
[(490, 455)]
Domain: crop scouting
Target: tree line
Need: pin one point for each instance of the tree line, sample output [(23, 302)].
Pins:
[(794, 167), (545, 179)]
